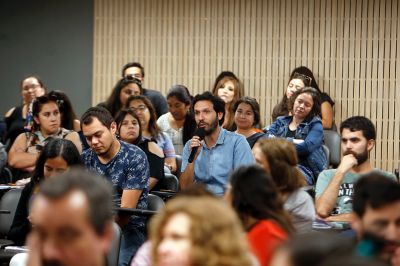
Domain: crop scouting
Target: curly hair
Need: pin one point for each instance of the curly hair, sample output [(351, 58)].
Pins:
[(315, 95), (215, 231)]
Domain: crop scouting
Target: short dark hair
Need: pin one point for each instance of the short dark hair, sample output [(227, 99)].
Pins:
[(315, 95), (101, 113), (375, 190), (98, 192), (39, 80), (359, 123), (254, 106), (218, 103), (55, 148), (133, 64)]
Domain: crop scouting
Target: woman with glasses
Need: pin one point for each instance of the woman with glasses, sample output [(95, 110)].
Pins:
[(58, 156), (143, 108), (179, 122), (303, 127), (129, 130), (46, 126), (17, 117), (247, 117), (229, 88), (305, 74), (124, 88)]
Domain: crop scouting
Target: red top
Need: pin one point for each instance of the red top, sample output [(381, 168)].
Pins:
[(263, 238)]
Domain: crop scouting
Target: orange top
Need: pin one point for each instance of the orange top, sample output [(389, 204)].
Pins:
[(263, 238)]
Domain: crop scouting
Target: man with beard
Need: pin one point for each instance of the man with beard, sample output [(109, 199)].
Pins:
[(123, 164), (334, 188), (376, 217), (219, 153)]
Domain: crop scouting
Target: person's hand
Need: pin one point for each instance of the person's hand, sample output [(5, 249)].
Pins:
[(348, 161), (196, 142)]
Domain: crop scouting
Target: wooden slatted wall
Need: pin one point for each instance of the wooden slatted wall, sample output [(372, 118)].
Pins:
[(352, 47)]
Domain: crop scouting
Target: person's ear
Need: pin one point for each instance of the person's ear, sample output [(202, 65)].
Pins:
[(36, 119), (113, 128), (220, 115), (107, 237), (370, 144)]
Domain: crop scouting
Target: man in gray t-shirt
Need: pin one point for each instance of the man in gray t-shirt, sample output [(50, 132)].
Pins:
[(334, 188)]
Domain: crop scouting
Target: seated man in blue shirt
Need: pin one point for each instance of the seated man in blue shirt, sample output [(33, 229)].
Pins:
[(219, 153), (125, 166)]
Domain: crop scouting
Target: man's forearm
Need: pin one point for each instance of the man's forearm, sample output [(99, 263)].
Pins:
[(344, 217), (327, 201), (187, 176)]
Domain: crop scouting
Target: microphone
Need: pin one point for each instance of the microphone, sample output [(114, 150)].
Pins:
[(201, 133)]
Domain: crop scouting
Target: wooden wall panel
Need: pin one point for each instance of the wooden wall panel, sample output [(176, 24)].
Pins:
[(352, 47)]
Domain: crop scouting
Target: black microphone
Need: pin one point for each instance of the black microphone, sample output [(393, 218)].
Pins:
[(201, 133)]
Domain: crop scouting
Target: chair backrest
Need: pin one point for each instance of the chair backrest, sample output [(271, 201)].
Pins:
[(113, 254), (169, 182), (154, 203), (327, 153), (178, 165), (9, 202), (333, 142)]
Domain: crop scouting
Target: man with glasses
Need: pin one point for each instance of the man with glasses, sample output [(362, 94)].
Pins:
[(125, 165), (136, 70)]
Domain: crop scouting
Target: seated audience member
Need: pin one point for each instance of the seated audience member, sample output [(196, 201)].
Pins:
[(256, 200), (125, 166), (148, 121), (319, 249), (69, 119), (136, 70), (184, 234), (247, 117), (300, 78), (124, 88), (376, 217), (229, 88), (220, 152), (129, 130), (57, 156), (178, 123), (304, 128), (278, 157), (334, 188), (46, 125), (16, 117), (72, 217)]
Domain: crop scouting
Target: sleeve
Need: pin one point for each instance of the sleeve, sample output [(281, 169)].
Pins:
[(242, 153), (167, 147), (326, 98), (322, 182), (21, 226), (3, 156), (272, 130), (185, 155), (138, 173), (313, 140)]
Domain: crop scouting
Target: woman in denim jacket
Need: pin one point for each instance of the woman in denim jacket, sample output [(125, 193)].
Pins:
[(304, 128)]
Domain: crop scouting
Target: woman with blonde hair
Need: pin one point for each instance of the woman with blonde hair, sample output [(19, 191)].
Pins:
[(198, 231), (278, 157)]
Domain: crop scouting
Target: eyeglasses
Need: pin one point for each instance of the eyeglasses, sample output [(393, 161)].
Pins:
[(135, 77), (140, 108), (306, 78)]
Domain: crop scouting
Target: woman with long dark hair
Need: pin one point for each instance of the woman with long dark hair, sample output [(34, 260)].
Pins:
[(57, 156), (255, 198), (129, 130), (179, 122)]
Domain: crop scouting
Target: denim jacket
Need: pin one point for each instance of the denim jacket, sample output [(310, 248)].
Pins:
[(310, 152)]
